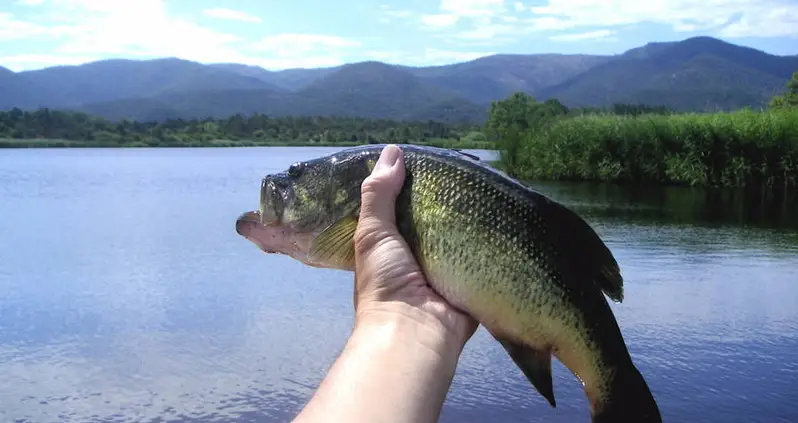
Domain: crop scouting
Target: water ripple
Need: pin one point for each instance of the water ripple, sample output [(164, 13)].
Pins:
[(126, 296)]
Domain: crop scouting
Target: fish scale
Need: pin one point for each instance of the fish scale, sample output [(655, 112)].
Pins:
[(530, 270)]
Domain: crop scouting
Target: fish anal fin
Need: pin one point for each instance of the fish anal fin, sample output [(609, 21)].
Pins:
[(534, 363), (334, 247)]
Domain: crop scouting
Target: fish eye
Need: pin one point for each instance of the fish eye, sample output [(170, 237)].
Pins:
[(296, 169)]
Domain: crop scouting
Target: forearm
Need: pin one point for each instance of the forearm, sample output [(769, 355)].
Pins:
[(393, 369)]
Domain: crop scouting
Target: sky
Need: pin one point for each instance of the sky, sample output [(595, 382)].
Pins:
[(317, 33)]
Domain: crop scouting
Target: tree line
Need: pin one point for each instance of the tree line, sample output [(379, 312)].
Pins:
[(47, 124), (47, 127)]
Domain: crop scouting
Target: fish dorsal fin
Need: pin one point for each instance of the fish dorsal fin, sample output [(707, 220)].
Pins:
[(582, 249), (334, 247), (469, 155)]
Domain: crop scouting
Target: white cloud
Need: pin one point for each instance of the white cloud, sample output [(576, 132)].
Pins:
[(581, 36), (398, 13), (388, 14), (473, 22), (19, 62), (222, 13), (487, 32), (729, 18), (429, 56), (766, 22), (440, 20), (473, 8), (85, 30), (491, 22), (304, 50), (298, 44), (434, 55), (12, 28), (144, 28)]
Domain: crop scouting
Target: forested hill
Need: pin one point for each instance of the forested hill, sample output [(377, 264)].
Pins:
[(696, 74)]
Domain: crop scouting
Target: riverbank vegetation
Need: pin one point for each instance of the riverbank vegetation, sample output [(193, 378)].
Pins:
[(545, 140), (54, 128)]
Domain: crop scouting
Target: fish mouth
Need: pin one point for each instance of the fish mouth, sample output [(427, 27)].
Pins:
[(273, 238), (249, 226)]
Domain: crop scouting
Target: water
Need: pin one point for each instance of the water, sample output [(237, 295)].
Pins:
[(126, 295)]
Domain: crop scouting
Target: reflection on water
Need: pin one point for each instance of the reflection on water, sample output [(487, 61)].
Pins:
[(126, 295), (763, 208)]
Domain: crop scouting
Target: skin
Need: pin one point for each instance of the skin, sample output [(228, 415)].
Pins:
[(399, 361)]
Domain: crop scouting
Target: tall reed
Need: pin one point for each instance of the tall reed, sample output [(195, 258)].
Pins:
[(730, 149)]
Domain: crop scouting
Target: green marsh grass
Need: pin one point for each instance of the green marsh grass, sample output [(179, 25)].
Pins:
[(732, 149)]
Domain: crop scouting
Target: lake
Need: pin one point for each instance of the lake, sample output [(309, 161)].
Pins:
[(126, 295)]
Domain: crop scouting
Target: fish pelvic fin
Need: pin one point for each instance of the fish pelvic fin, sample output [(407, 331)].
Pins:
[(629, 400), (534, 363)]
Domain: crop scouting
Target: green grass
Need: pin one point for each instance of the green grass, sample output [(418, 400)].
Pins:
[(733, 149)]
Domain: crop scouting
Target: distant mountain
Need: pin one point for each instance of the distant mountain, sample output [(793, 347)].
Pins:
[(700, 73), (480, 81), (289, 79), (374, 89), (494, 77), (17, 91), (355, 90), (116, 79), (9, 88)]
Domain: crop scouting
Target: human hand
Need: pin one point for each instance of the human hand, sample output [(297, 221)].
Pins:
[(389, 282)]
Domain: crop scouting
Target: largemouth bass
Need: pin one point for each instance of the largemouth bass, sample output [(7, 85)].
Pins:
[(530, 270)]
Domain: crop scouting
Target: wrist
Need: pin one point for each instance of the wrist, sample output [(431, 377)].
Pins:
[(399, 322), (396, 366)]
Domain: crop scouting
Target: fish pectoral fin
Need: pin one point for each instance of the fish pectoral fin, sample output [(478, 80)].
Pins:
[(534, 363), (334, 247)]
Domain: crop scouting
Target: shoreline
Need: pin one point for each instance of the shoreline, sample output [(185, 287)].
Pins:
[(57, 143)]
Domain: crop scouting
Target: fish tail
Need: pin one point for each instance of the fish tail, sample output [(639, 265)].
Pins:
[(629, 400)]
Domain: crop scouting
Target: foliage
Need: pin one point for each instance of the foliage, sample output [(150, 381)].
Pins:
[(790, 97), (623, 109), (741, 148), (63, 128), (509, 119)]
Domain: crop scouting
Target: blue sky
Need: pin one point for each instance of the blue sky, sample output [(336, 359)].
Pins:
[(311, 33)]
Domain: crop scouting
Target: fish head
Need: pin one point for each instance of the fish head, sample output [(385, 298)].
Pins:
[(305, 200)]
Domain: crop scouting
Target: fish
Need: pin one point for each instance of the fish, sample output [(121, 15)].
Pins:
[(529, 269)]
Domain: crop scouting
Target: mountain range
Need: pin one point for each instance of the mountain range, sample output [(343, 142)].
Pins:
[(696, 74)]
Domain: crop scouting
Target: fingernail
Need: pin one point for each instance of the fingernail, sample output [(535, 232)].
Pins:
[(388, 157)]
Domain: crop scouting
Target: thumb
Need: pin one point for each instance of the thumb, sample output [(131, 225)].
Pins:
[(380, 189), (378, 194)]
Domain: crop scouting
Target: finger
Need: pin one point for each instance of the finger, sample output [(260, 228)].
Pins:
[(380, 189)]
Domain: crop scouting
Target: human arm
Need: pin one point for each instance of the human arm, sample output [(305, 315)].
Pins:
[(395, 367), (400, 359)]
